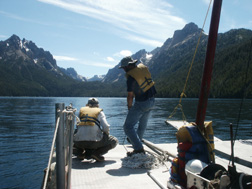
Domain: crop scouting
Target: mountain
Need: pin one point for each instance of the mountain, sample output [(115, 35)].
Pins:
[(96, 78), (169, 64), (158, 59), (170, 67), (73, 74), (26, 70), (27, 52)]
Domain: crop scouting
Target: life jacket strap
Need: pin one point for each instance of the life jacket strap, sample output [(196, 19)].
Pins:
[(91, 119), (146, 83)]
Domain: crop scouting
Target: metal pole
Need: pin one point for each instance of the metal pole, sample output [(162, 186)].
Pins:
[(208, 67), (232, 143), (60, 157), (51, 154), (156, 149), (72, 121), (156, 181)]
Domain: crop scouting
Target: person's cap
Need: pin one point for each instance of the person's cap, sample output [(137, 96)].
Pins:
[(126, 61), (93, 101)]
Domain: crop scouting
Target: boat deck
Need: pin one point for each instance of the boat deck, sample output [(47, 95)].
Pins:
[(90, 174)]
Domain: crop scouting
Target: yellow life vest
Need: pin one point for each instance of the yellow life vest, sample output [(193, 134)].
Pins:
[(143, 77), (89, 116)]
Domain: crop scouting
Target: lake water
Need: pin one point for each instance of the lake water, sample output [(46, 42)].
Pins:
[(27, 126)]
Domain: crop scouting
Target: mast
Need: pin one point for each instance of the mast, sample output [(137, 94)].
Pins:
[(208, 66)]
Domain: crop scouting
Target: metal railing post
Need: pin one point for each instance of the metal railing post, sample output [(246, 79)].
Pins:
[(71, 124), (60, 157)]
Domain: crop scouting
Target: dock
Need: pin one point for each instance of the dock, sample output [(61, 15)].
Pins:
[(90, 174)]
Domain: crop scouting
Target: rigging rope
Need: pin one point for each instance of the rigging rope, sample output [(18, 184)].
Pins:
[(183, 92), (244, 91)]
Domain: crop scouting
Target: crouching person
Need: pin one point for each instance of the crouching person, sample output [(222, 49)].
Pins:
[(92, 139)]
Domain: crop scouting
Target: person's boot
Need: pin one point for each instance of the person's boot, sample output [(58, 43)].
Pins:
[(129, 154), (98, 157), (77, 151), (88, 153), (97, 154)]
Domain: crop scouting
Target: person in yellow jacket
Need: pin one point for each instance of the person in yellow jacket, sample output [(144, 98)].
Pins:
[(141, 87), (92, 139)]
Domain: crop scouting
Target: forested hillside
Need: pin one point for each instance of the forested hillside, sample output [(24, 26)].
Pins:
[(232, 63)]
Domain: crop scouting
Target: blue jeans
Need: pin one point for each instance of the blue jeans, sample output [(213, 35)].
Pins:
[(139, 112)]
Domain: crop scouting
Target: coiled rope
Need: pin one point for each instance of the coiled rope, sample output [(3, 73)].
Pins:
[(148, 160), (137, 161)]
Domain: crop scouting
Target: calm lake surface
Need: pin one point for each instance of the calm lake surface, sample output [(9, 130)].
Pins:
[(27, 126)]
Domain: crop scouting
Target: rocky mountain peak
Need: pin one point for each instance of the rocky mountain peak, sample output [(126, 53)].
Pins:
[(97, 78), (190, 28), (14, 38), (27, 52), (13, 41), (71, 72), (181, 35)]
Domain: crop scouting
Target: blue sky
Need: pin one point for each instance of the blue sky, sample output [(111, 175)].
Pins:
[(92, 36)]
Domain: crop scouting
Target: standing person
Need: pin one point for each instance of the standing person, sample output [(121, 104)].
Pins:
[(92, 139), (141, 87)]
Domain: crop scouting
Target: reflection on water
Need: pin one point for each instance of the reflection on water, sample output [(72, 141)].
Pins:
[(27, 126)]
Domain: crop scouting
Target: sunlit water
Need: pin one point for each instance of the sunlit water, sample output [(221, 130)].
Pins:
[(27, 126)]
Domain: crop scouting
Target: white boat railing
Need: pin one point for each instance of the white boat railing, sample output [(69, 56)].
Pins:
[(63, 138)]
